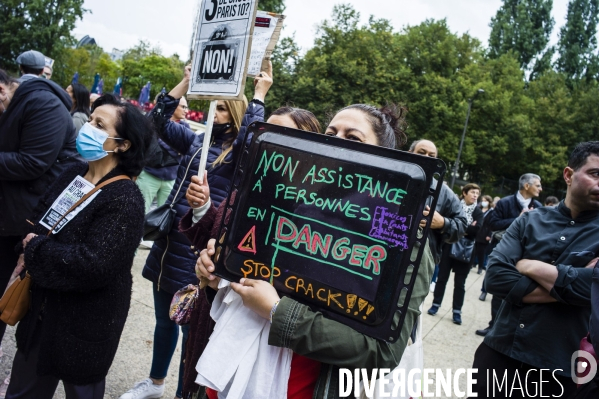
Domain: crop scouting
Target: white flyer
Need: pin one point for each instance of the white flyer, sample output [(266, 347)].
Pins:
[(73, 193), (221, 49), (267, 30)]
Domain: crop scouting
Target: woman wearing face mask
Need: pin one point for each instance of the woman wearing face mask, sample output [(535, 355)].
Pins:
[(170, 264), (319, 345), (80, 265), (197, 225), (470, 193)]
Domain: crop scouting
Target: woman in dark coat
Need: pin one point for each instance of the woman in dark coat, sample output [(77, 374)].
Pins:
[(470, 193), (171, 262), (81, 271)]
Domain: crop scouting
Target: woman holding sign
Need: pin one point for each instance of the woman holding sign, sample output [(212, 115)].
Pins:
[(79, 256), (321, 346), (204, 211), (170, 264)]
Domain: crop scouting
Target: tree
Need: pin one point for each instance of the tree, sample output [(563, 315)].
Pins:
[(523, 27), (42, 25), (577, 40), (276, 6), (141, 64)]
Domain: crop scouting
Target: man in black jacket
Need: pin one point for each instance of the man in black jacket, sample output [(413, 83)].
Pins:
[(506, 211), (543, 268), (449, 221), (37, 139)]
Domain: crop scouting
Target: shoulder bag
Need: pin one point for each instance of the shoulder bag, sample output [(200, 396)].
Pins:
[(462, 250), (14, 304), (158, 222)]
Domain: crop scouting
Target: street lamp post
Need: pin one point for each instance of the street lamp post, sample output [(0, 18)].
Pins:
[(457, 161)]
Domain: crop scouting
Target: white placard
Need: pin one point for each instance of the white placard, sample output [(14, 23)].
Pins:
[(266, 35), (221, 49), (73, 193)]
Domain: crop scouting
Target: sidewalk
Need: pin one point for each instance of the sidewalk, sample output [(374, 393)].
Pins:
[(446, 345)]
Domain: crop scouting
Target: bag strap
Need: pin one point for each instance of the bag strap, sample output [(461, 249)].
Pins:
[(184, 178), (86, 196)]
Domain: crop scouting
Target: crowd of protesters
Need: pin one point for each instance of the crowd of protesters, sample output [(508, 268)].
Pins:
[(538, 259)]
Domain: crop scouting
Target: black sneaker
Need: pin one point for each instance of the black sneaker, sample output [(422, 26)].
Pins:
[(482, 332)]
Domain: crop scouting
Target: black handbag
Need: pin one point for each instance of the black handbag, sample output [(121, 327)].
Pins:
[(158, 222), (462, 250)]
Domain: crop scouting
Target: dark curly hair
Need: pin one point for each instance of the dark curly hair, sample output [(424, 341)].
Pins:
[(6, 79), (131, 125), (388, 123)]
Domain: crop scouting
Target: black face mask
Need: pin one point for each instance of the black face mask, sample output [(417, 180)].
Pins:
[(220, 128)]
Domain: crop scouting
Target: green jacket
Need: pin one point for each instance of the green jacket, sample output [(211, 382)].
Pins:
[(310, 334)]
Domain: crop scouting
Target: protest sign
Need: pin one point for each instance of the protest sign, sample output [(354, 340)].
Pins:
[(267, 31), (331, 223), (221, 50), (69, 197)]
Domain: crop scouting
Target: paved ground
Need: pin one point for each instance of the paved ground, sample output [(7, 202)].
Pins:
[(446, 345)]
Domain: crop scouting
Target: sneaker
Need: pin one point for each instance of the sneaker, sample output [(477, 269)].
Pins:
[(433, 284), (433, 310), (483, 332), (145, 389), (457, 318)]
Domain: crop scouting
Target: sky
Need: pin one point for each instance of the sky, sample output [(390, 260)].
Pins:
[(168, 24)]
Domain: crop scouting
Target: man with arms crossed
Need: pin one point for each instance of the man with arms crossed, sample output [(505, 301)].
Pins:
[(542, 268)]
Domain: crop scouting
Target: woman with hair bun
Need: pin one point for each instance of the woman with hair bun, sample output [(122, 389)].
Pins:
[(322, 346), (80, 265)]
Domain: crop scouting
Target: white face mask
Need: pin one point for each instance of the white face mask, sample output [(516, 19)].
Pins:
[(485, 204)]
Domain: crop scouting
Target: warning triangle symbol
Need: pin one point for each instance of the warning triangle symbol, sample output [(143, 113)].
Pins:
[(248, 244)]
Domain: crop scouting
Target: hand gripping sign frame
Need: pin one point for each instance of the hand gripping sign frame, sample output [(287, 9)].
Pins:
[(331, 223)]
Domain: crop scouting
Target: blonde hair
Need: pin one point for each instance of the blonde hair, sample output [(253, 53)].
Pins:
[(237, 110)]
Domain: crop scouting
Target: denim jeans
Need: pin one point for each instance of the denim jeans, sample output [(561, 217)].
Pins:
[(166, 335), (435, 274)]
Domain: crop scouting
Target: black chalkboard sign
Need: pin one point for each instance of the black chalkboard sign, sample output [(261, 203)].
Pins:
[(329, 222)]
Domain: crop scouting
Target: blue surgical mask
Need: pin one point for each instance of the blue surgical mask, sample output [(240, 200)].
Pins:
[(90, 142)]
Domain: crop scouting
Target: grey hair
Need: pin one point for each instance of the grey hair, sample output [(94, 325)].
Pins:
[(414, 144), (527, 178)]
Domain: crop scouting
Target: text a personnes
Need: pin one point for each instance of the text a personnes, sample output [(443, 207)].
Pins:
[(351, 182)]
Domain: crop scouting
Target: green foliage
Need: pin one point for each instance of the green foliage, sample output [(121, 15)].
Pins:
[(142, 64), (276, 6), (42, 25), (522, 27), (578, 42), (515, 127)]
